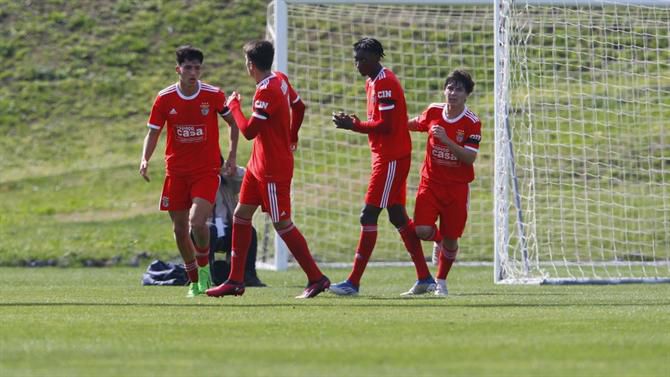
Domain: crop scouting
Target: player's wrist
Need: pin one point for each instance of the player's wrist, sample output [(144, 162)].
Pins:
[(234, 105), (357, 124)]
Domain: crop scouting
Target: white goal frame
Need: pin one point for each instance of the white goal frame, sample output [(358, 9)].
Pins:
[(505, 178)]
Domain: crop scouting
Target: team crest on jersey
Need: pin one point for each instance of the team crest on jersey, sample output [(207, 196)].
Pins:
[(204, 108), (460, 136)]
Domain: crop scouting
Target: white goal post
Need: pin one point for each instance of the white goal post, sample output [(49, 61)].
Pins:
[(574, 95)]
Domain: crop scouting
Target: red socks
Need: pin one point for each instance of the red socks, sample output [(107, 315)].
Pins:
[(413, 246), (202, 255), (366, 243), (298, 246), (240, 248), (191, 271), (447, 259)]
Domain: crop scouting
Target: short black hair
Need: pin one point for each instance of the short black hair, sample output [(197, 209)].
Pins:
[(463, 77), (371, 45), (260, 53), (188, 52)]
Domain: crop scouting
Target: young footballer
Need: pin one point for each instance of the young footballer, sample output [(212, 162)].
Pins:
[(277, 115), (391, 147), (454, 133), (189, 110)]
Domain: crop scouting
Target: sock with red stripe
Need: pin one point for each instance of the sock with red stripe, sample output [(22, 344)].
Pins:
[(366, 243), (413, 246), (202, 255), (447, 259), (240, 248), (191, 270), (298, 246)]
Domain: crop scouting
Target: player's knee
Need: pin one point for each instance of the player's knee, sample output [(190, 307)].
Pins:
[(397, 216), (282, 224), (198, 225), (450, 244), (369, 215), (424, 232)]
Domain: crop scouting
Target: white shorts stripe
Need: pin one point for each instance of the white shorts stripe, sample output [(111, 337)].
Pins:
[(390, 174), (274, 209)]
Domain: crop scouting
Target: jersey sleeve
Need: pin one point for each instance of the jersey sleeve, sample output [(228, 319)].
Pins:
[(474, 136), (388, 94), (423, 121), (292, 94), (220, 105), (158, 116), (265, 104)]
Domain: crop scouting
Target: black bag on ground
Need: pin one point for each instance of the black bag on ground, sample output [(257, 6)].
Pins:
[(220, 270), (165, 273)]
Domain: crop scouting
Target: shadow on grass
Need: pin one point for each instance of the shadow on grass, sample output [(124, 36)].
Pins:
[(428, 302)]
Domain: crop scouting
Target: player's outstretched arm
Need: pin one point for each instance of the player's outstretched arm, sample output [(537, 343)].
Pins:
[(413, 124), (380, 126), (251, 127)]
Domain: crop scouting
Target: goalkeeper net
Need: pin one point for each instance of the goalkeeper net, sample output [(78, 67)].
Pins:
[(573, 98)]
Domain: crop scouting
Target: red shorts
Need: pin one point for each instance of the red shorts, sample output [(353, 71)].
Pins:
[(388, 183), (273, 197), (448, 202), (179, 191)]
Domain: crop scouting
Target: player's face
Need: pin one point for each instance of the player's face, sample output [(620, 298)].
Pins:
[(365, 62), (189, 71), (455, 94)]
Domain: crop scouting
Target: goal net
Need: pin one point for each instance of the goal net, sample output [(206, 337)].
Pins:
[(574, 98)]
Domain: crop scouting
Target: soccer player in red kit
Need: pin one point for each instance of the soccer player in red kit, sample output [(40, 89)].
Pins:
[(391, 148), (277, 115), (454, 133), (190, 108)]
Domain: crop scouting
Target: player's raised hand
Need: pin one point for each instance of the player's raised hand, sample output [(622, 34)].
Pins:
[(144, 170), (234, 100)]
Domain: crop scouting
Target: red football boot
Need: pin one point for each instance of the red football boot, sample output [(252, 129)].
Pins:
[(313, 289), (228, 288)]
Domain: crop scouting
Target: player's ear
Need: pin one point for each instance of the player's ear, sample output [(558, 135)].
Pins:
[(177, 69)]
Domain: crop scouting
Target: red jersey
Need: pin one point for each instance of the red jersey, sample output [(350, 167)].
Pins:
[(193, 128), (440, 165), (380, 92), (271, 157)]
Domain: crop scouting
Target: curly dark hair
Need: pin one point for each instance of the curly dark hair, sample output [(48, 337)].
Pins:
[(371, 45)]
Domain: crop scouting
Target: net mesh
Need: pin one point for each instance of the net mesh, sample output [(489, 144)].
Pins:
[(588, 105)]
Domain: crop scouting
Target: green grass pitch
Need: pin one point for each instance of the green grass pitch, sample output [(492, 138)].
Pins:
[(102, 322)]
